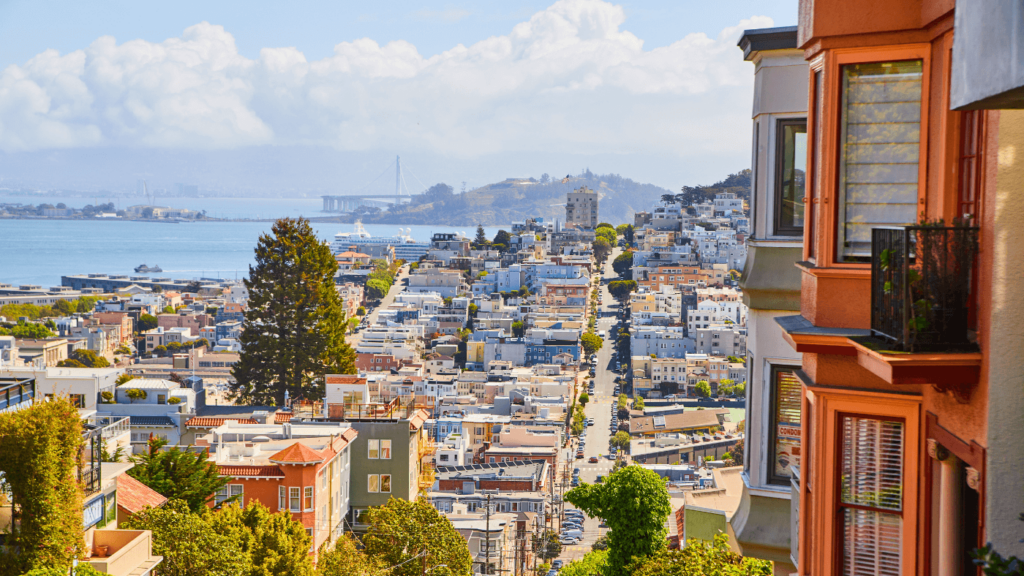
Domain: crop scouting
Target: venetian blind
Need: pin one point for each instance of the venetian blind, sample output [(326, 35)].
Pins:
[(880, 148), (871, 496)]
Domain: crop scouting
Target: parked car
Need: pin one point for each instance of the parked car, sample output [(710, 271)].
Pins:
[(557, 564), (600, 479), (577, 534), (565, 541), (593, 459)]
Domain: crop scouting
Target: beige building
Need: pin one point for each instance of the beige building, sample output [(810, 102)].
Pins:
[(581, 208)]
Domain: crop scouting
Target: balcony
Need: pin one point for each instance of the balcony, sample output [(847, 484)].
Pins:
[(426, 478), (922, 307), (123, 552)]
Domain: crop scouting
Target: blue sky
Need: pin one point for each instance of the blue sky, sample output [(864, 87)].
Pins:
[(643, 83)]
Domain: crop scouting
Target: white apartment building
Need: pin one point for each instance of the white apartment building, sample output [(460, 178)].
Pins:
[(721, 340), (709, 312), (581, 208), (662, 341)]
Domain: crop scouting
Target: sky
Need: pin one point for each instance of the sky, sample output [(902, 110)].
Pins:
[(656, 91)]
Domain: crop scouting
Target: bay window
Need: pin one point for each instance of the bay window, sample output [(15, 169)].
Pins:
[(308, 493), (790, 180), (879, 152), (784, 435), (871, 495)]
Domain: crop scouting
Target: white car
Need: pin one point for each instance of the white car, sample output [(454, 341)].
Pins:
[(566, 541)]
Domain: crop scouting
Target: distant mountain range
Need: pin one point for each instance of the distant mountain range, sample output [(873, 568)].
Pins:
[(516, 199)]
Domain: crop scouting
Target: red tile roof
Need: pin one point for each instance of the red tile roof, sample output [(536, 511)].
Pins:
[(208, 422), (297, 453), (134, 496), (251, 471), (280, 417)]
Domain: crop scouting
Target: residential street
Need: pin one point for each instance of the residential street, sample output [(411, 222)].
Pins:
[(401, 281)]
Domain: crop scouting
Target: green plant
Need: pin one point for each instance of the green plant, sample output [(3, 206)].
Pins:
[(136, 394), (174, 400), (700, 557), (414, 538), (107, 397), (179, 474)]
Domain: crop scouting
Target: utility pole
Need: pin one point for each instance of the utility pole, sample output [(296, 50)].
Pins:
[(487, 534)]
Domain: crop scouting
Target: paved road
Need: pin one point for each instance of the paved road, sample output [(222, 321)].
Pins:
[(600, 409), (401, 281)]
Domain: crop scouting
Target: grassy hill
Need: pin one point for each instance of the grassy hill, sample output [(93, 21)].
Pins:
[(517, 199)]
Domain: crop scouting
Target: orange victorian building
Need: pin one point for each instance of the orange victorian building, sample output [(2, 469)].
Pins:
[(911, 326)]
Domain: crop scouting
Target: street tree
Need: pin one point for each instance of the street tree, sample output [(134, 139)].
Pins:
[(634, 503), (584, 398), (703, 389), (620, 289), (146, 322), (638, 403), (623, 265), (621, 440), (179, 474), (414, 538), (602, 248), (376, 289), (547, 545), (294, 328), (591, 343), (592, 563), (700, 557), (271, 543), (626, 231)]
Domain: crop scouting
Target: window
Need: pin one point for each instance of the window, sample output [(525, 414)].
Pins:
[(238, 490), (309, 498), (220, 496), (373, 483), (282, 498), (295, 499), (323, 478), (385, 483), (871, 495), (385, 449), (373, 449), (790, 171), (784, 434), (813, 186), (879, 150)]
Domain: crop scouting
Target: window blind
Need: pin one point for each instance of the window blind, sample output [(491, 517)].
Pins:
[(871, 495), (880, 148), (786, 420)]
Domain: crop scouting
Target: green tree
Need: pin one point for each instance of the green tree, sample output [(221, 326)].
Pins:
[(345, 558), (623, 264), (361, 311), (146, 322), (605, 225), (376, 289), (271, 543), (518, 329), (189, 545), (699, 558), (481, 237), (620, 289), (89, 358), (168, 310), (294, 328), (40, 448), (737, 452), (502, 238), (626, 231), (31, 330), (415, 538), (584, 398), (160, 350), (63, 307), (703, 389), (623, 401), (136, 394), (592, 563), (634, 503), (179, 474), (157, 289), (621, 440), (736, 360), (70, 363), (602, 248), (638, 403), (591, 343)]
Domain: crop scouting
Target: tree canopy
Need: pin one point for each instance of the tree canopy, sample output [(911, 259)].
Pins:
[(703, 389), (623, 265), (415, 538), (621, 289), (294, 327), (634, 503), (700, 558), (345, 558), (592, 563), (591, 343), (179, 474), (602, 248), (189, 544)]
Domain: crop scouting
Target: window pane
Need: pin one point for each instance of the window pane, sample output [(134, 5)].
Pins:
[(385, 482), (282, 498), (385, 449), (790, 170), (872, 543), (294, 497), (372, 483), (880, 144), (786, 390), (309, 498), (374, 449), (872, 464)]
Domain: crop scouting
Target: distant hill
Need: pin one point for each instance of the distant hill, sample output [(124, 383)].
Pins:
[(516, 199)]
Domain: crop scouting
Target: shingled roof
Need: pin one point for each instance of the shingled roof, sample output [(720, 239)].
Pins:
[(297, 453), (134, 496)]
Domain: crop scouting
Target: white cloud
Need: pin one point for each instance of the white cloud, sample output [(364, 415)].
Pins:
[(570, 79), (449, 15)]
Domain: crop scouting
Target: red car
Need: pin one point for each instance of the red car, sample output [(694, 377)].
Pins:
[(593, 459)]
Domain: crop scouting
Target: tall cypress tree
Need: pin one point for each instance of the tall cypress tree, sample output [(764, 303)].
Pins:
[(294, 329)]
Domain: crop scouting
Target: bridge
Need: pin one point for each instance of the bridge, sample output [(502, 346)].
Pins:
[(350, 202)]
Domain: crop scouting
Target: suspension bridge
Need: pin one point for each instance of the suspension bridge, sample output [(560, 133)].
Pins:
[(350, 202)]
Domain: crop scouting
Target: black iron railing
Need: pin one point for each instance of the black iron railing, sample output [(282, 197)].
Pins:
[(921, 287)]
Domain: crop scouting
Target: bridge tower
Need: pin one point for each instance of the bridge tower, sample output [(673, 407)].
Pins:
[(398, 175)]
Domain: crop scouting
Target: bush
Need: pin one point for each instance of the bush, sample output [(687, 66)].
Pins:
[(174, 400)]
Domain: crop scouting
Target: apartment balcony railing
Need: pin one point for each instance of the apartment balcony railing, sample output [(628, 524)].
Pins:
[(921, 287), (427, 477), (111, 426)]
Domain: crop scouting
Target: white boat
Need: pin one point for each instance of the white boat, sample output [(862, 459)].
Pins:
[(406, 248)]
